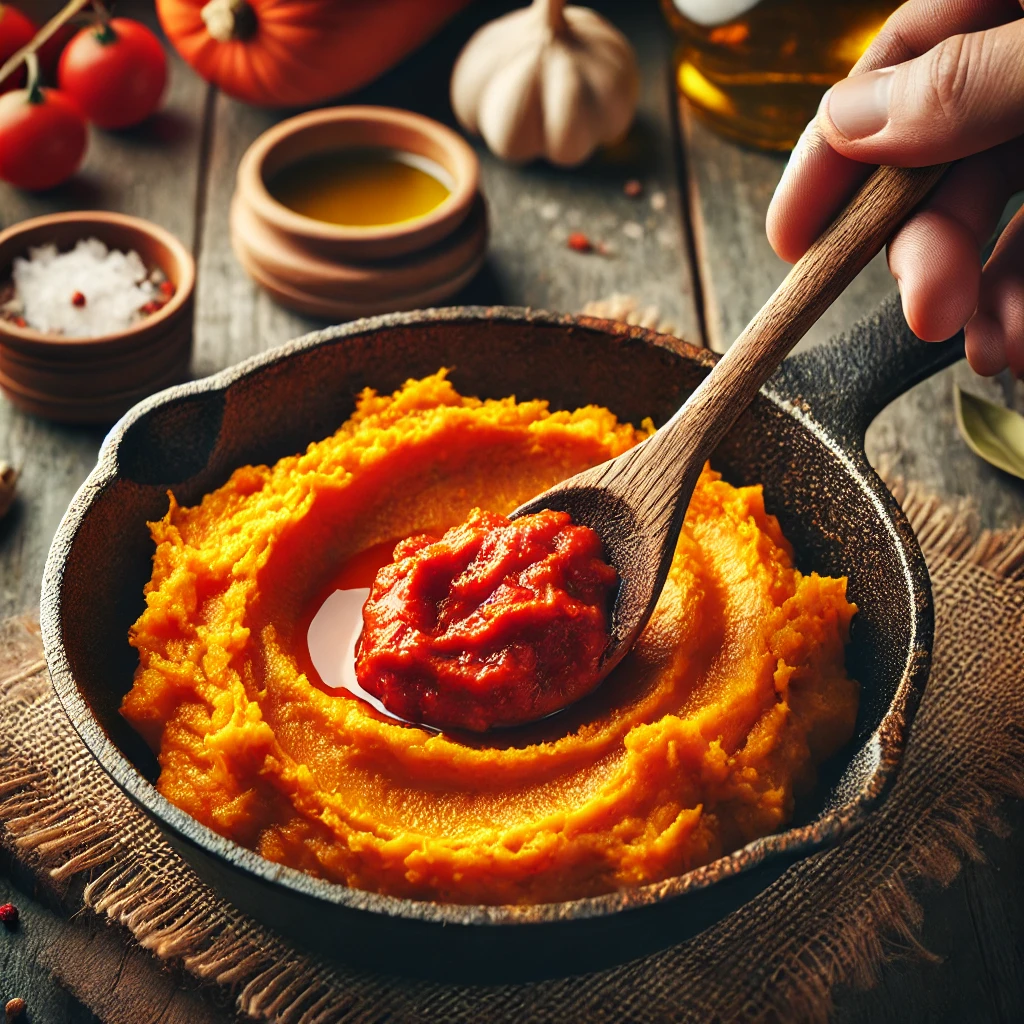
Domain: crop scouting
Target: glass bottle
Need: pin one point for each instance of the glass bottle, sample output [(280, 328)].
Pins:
[(757, 69)]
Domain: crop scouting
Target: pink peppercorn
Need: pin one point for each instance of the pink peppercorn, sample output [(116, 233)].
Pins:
[(78, 299), (579, 242), (9, 915)]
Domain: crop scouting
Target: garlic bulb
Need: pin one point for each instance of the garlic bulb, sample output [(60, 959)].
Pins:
[(547, 80)]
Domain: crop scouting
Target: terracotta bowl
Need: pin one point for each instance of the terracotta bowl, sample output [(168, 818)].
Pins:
[(333, 270), (94, 380), (802, 438)]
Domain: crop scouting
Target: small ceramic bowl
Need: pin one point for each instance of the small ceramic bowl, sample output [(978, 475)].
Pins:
[(95, 379), (340, 271)]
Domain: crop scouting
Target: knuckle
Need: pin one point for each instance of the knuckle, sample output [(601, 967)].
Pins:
[(950, 73)]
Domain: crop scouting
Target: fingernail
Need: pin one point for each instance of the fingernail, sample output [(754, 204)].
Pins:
[(859, 106)]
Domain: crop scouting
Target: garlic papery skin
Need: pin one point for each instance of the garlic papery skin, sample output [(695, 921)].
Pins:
[(546, 81)]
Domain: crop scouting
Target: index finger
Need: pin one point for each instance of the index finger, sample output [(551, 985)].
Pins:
[(818, 181)]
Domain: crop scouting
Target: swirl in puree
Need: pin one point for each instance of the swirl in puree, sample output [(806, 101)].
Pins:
[(696, 744)]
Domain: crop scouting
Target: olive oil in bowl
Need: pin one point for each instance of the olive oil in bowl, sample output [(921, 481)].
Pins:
[(362, 187)]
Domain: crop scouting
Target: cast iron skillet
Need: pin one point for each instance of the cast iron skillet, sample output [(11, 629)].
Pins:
[(802, 438)]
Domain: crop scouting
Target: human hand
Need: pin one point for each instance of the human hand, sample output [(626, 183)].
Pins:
[(944, 80)]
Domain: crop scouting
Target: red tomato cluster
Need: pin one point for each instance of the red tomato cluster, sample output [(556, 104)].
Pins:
[(116, 73), (111, 74)]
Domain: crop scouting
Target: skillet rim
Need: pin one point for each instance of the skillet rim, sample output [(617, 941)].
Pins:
[(886, 742)]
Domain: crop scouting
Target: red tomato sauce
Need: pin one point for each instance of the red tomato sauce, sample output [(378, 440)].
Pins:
[(497, 623)]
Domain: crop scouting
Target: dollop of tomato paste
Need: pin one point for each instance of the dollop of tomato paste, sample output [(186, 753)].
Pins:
[(497, 623)]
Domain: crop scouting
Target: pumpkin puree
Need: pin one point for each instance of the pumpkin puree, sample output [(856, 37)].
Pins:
[(695, 745)]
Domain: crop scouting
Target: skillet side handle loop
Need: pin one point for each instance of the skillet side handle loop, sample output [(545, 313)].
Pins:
[(845, 383)]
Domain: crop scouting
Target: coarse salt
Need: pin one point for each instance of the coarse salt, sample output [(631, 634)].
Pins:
[(115, 286)]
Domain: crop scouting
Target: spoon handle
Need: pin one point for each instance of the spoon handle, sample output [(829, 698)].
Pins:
[(812, 285)]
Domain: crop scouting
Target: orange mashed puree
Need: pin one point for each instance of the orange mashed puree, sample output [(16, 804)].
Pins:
[(695, 745)]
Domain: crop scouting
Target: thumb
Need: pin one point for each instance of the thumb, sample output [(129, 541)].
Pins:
[(962, 96)]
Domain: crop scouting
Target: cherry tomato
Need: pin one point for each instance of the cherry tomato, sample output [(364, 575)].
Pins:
[(16, 29), (42, 138), (116, 73)]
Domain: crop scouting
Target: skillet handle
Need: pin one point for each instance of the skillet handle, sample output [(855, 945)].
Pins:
[(848, 381)]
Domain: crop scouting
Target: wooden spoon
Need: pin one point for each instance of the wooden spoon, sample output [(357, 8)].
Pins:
[(636, 502)]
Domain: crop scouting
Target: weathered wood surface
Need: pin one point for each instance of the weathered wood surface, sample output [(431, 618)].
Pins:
[(532, 209), (729, 189), (180, 173), (50, 957), (976, 926), (153, 172)]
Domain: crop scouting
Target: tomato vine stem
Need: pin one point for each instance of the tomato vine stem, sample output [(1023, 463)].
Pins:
[(33, 86), (105, 34), (50, 29)]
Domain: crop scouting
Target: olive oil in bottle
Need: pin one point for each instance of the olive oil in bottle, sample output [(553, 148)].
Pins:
[(757, 69)]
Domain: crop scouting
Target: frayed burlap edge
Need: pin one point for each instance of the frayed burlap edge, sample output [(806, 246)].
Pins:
[(67, 821)]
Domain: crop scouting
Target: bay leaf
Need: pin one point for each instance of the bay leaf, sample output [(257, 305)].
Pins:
[(991, 431)]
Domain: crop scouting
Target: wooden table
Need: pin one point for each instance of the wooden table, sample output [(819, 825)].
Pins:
[(692, 245)]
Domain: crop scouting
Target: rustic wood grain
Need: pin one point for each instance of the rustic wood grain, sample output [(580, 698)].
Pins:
[(532, 209), (120, 982), (153, 172), (21, 974), (973, 933), (975, 927), (179, 172), (730, 188)]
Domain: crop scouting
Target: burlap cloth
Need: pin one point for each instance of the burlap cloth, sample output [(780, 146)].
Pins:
[(830, 919)]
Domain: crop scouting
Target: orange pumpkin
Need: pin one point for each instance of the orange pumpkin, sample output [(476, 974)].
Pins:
[(289, 53)]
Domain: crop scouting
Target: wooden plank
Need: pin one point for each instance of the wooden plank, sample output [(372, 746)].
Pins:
[(82, 971), (21, 974), (988, 901), (730, 188), (975, 925), (917, 438), (152, 172), (532, 209)]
